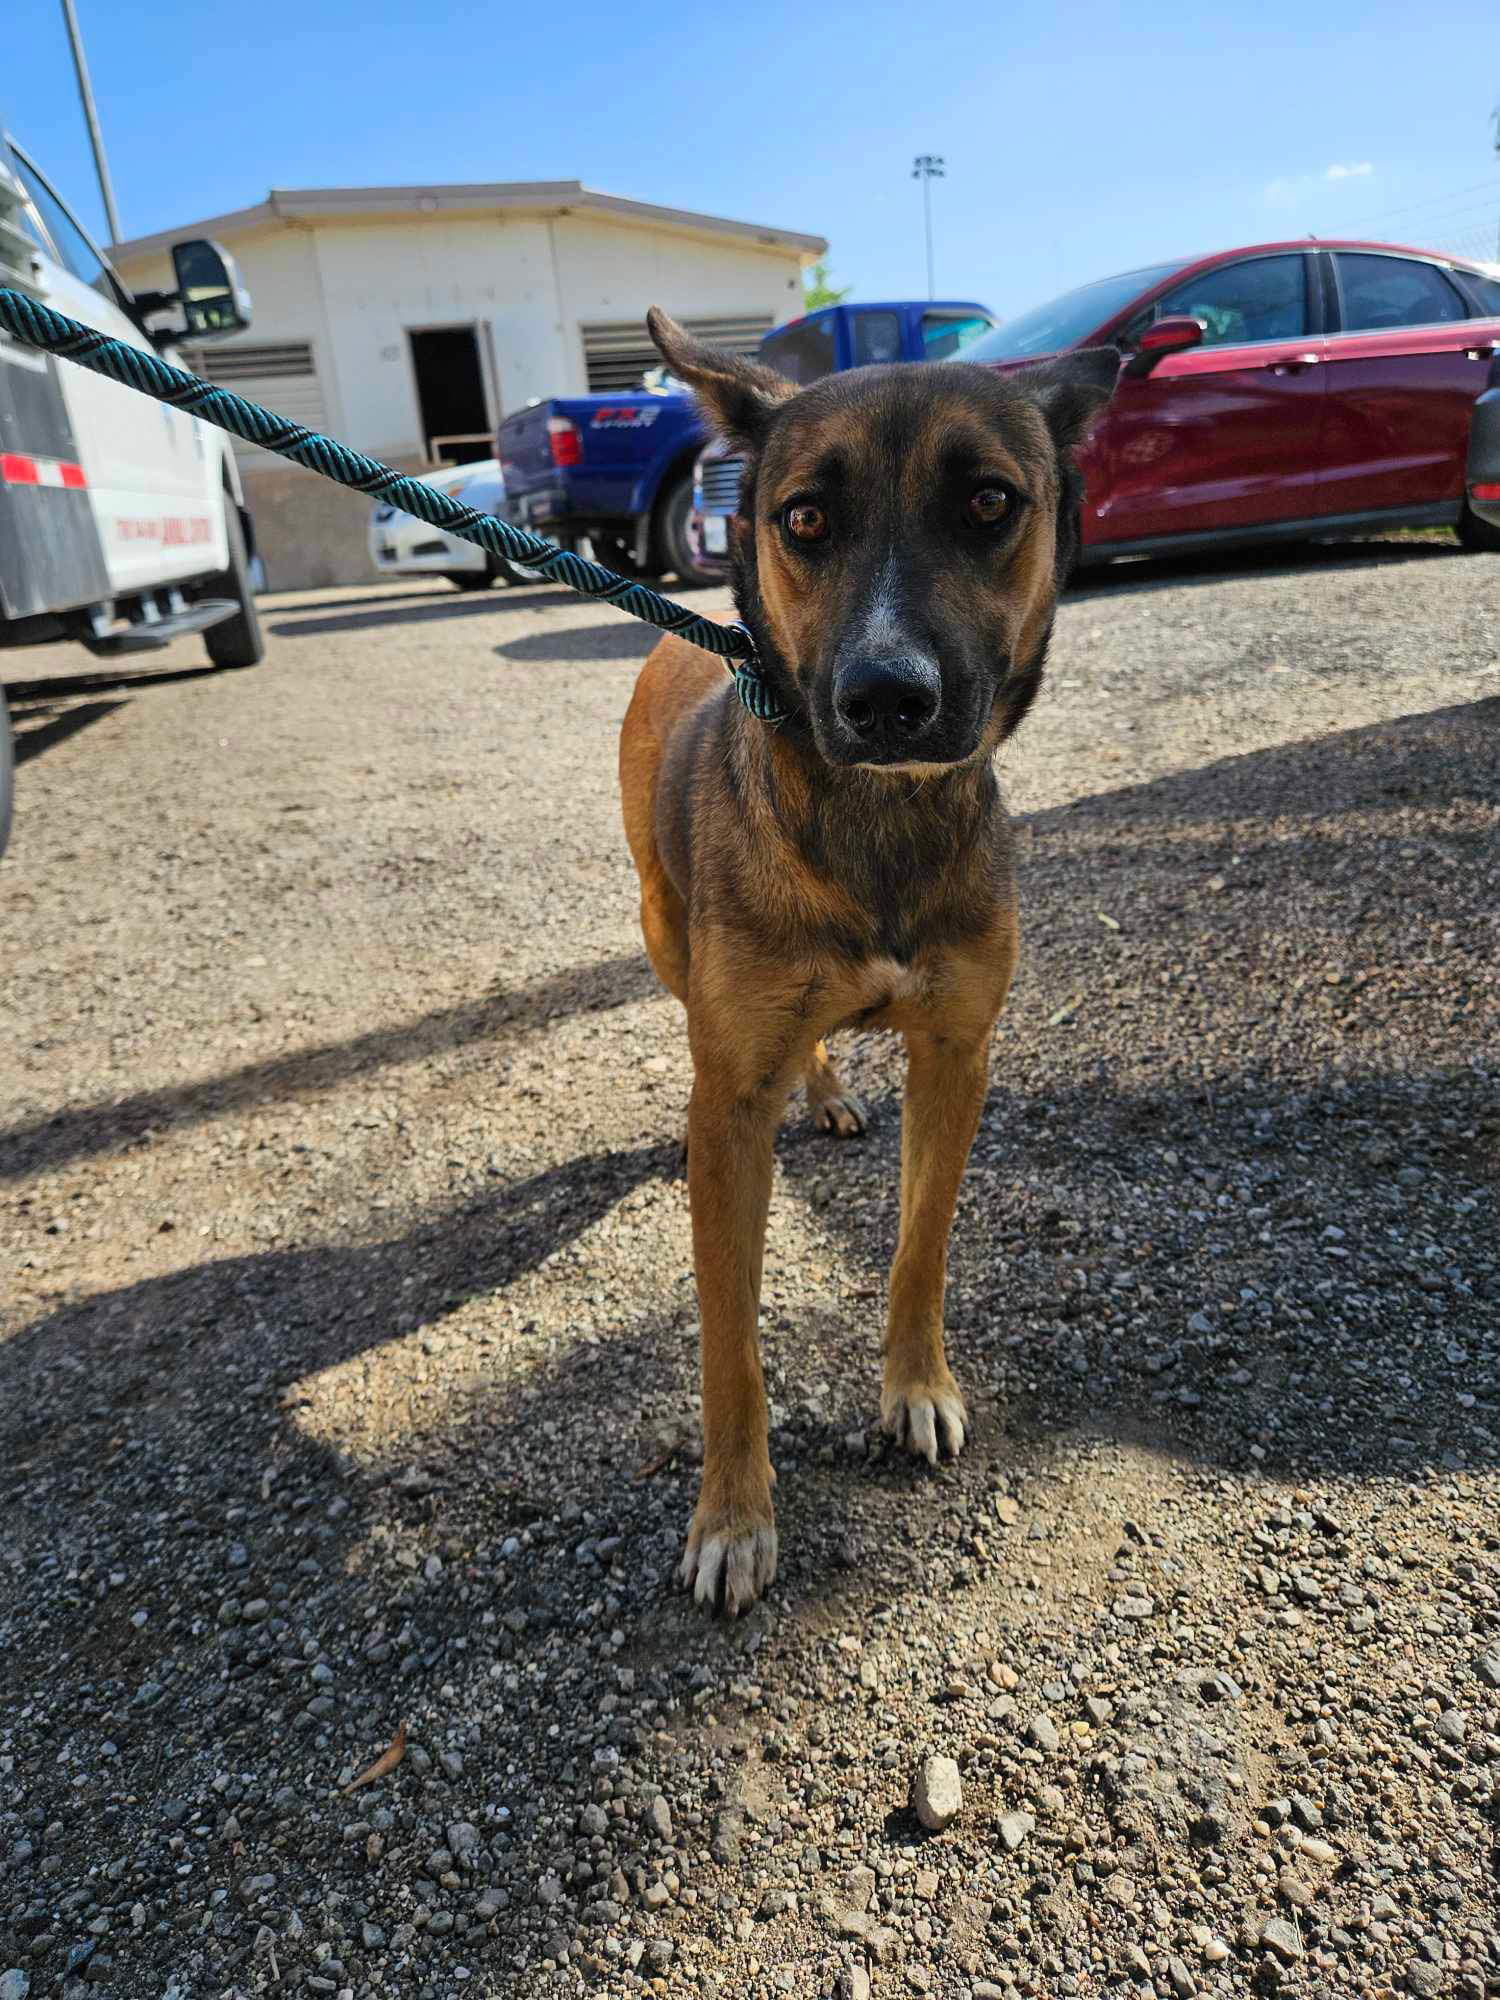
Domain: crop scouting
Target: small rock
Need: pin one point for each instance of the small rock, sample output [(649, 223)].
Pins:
[(1215, 1951), (937, 1793), (1281, 1937), (15, 1984), (1306, 1812), (657, 1819), (1487, 1666), (1184, 1985), (1015, 1828), (853, 1984), (859, 1885), (1294, 1890), (462, 1837), (1041, 1731)]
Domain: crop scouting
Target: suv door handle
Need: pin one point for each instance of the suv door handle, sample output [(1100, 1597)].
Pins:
[(1294, 364), (1480, 353)]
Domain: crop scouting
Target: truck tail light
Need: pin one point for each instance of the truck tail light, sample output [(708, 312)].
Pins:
[(1489, 491), (566, 441)]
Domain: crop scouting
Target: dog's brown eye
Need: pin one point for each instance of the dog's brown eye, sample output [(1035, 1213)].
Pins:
[(989, 506), (806, 523)]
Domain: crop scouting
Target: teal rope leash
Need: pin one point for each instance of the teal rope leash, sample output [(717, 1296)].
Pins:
[(55, 333)]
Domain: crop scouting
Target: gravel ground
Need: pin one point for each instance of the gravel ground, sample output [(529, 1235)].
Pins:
[(347, 1354)]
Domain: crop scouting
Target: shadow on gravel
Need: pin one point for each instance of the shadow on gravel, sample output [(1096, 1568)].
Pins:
[(174, 1342), (618, 639), (426, 611), (99, 1128), (1139, 573), (1142, 1254), (135, 681), (373, 600), (40, 729)]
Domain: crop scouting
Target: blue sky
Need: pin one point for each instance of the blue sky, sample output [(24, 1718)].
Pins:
[(1078, 141)]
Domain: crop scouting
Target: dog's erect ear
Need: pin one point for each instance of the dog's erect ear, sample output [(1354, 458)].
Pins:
[(1073, 389), (736, 396)]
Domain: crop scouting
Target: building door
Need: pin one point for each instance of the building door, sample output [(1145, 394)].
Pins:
[(456, 421)]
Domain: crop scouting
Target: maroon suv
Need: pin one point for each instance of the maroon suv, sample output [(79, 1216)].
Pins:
[(1291, 389)]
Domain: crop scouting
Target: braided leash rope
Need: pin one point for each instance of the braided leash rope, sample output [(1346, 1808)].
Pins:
[(39, 326)]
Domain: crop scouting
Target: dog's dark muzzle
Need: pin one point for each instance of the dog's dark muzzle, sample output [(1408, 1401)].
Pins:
[(886, 708)]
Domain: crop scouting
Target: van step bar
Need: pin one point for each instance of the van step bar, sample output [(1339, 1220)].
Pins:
[(155, 626)]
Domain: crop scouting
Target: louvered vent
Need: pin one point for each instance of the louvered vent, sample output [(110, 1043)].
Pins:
[(617, 353), (283, 375)]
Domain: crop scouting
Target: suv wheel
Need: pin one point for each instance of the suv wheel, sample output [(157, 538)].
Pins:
[(674, 546), (238, 642)]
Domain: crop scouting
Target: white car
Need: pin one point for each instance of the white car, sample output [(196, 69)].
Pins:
[(401, 545), (122, 520)]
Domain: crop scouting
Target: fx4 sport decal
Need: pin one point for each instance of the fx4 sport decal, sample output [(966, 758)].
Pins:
[(624, 419)]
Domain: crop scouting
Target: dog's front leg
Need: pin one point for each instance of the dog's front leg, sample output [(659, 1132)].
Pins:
[(731, 1547), (946, 1079)]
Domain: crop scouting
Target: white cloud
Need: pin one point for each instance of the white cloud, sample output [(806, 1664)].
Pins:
[(1294, 190)]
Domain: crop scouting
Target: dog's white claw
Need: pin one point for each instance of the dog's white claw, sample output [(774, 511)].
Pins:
[(929, 1425), (844, 1115), (732, 1569)]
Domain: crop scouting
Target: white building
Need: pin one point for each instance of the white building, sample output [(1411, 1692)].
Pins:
[(408, 320)]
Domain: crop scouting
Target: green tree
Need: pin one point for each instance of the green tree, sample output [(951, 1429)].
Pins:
[(816, 290)]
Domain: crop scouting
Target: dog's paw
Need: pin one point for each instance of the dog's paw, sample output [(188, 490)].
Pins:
[(842, 1114), (927, 1418), (729, 1560)]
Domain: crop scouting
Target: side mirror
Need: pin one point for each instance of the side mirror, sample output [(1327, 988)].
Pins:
[(209, 295), (208, 289), (1163, 337)]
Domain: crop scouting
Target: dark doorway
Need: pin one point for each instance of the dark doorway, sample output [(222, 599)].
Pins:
[(450, 390)]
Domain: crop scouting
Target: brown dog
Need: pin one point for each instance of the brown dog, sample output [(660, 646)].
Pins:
[(901, 539)]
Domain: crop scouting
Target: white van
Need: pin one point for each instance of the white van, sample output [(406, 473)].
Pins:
[(122, 522)]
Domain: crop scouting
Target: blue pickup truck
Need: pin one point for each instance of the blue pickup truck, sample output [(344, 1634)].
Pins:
[(619, 469)]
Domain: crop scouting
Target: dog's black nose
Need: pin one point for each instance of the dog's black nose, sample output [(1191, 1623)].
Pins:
[(889, 700)]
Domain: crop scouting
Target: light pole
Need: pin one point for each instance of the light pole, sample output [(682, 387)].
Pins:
[(927, 168), (91, 119)]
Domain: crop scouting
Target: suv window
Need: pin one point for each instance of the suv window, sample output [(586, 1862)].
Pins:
[(1264, 298), (73, 248), (1382, 292), (1487, 291), (877, 338), (803, 353), (944, 334)]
